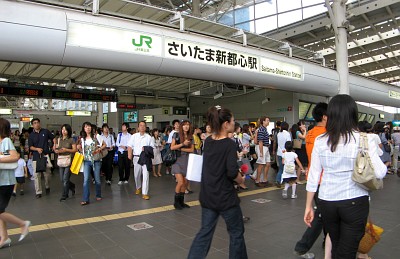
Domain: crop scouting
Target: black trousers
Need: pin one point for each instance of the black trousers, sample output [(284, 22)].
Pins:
[(345, 222), (124, 166), (107, 165)]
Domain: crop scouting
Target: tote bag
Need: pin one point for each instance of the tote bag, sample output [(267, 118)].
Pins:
[(195, 167), (77, 162), (364, 172)]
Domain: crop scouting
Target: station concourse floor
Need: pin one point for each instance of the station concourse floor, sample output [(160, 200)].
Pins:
[(100, 230)]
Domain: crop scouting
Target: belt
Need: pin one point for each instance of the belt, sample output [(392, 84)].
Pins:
[(266, 145)]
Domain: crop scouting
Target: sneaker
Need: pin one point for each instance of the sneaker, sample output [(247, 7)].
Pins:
[(125, 182), (138, 191), (246, 219), (93, 181), (21, 192), (108, 182), (294, 196), (146, 197), (14, 194), (284, 194), (33, 178), (120, 183), (305, 255)]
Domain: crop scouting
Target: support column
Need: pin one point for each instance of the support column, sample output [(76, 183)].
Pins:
[(196, 8), (339, 11), (99, 120), (340, 25)]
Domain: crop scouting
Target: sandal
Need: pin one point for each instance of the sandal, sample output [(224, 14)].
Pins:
[(99, 199), (159, 175), (84, 203)]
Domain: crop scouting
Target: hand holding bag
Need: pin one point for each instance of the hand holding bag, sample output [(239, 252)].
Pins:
[(364, 172)]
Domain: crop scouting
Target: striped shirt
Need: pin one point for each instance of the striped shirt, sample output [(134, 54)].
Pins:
[(263, 136), (338, 167)]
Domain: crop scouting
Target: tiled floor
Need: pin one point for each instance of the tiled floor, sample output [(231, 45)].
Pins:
[(100, 229)]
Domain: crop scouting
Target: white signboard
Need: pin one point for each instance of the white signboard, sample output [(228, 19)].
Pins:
[(211, 55), (394, 94), (107, 38), (282, 69)]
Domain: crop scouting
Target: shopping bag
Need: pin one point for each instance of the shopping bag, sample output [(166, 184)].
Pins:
[(77, 162), (195, 167), (41, 163), (371, 237), (297, 143)]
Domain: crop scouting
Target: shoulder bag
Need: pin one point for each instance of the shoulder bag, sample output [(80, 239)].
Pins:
[(63, 160), (8, 166), (364, 172)]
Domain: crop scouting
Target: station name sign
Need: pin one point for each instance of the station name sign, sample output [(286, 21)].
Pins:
[(136, 42), (52, 92)]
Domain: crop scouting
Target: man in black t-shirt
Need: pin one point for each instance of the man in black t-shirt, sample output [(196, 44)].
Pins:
[(39, 144)]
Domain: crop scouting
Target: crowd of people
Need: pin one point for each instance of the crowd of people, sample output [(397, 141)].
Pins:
[(293, 152)]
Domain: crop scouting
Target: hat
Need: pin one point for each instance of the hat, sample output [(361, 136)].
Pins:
[(386, 126), (396, 128)]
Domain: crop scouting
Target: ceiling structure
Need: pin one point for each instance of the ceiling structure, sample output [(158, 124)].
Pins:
[(373, 46)]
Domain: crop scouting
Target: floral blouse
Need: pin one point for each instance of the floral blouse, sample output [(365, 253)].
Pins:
[(89, 146)]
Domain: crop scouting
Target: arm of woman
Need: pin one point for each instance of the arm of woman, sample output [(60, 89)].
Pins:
[(73, 149), (379, 166), (309, 211), (13, 157), (175, 146), (299, 164)]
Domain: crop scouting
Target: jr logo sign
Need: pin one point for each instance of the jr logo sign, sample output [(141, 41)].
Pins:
[(143, 40)]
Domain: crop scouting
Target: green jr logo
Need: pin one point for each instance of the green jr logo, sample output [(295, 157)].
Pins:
[(143, 39)]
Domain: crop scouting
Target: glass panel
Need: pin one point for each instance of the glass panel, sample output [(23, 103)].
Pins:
[(370, 118), (283, 5), (242, 15), (309, 114), (245, 26), (303, 109), (314, 10), (362, 116), (313, 2), (266, 24), (288, 18), (227, 19), (265, 9)]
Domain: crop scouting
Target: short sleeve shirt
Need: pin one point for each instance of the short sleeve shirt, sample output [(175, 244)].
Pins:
[(7, 176), (263, 135)]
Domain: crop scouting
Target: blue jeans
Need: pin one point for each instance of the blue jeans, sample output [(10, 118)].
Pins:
[(65, 175), (87, 169), (280, 171), (234, 222)]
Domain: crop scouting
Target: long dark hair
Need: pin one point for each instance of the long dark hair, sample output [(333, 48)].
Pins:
[(83, 133), (294, 130), (342, 119), (216, 116), (68, 129), (5, 128)]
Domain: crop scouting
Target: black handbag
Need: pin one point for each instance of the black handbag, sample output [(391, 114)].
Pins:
[(41, 163), (169, 157)]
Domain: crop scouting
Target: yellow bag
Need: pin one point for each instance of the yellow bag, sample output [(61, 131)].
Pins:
[(76, 163), (371, 237)]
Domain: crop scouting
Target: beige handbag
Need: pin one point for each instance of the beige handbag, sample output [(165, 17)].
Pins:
[(297, 143), (363, 172)]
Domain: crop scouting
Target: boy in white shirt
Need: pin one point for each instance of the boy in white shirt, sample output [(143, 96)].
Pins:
[(21, 172)]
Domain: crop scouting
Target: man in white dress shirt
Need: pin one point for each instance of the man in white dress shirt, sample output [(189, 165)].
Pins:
[(107, 161), (124, 164), (135, 147)]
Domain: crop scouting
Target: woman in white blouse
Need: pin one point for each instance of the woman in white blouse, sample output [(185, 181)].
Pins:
[(344, 204)]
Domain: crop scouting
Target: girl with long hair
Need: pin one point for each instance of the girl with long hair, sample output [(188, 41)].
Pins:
[(343, 203), (91, 149), (182, 142)]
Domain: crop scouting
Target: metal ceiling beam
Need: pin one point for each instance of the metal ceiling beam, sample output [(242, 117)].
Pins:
[(323, 20)]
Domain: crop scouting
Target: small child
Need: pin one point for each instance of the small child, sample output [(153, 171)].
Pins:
[(289, 170), (21, 172)]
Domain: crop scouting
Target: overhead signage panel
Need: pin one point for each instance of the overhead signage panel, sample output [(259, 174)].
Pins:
[(394, 95), (211, 55), (282, 69), (107, 38), (41, 91), (6, 111), (78, 113)]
